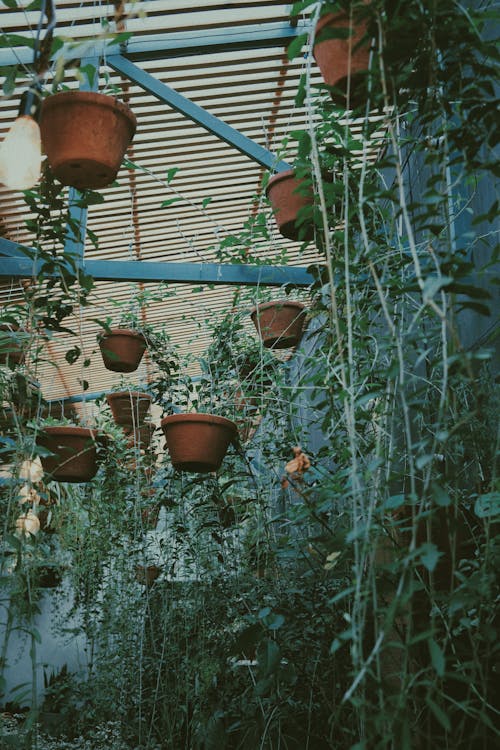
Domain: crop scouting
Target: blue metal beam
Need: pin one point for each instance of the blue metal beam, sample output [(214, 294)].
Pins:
[(196, 113), (160, 46), (175, 273)]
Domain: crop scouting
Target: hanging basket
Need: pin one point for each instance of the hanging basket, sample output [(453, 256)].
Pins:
[(129, 408), (279, 323), (75, 454), (85, 136), (141, 436), (198, 442), (343, 62), (122, 349), (288, 195)]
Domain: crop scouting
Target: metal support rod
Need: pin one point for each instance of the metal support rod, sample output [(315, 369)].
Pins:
[(197, 114), (175, 273), (171, 44)]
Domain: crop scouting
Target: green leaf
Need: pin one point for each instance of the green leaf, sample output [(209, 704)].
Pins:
[(394, 501), (268, 656), (87, 73), (9, 83), (429, 555), (488, 505), (422, 461), (295, 47), (169, 202), (205, 202), (275, 621), (171, 174), (16, 40), (440, 495), (437, 657), (439, 714), (120, 38)]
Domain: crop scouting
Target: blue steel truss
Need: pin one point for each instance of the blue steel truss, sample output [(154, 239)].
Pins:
[(16, 264)]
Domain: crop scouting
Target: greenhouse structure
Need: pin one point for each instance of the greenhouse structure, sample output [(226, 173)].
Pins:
[(249, 375)]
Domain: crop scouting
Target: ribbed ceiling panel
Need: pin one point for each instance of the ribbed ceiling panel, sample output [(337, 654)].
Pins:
[(253, 90)]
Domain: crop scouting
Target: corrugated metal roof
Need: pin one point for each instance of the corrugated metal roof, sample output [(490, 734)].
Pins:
[(253, 90)]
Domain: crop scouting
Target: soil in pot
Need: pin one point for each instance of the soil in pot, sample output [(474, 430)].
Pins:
[(280, 323), (129, 408), (198, 442), (290, 197), (85, 136), (75, 454), (343, 62), (122, 349)]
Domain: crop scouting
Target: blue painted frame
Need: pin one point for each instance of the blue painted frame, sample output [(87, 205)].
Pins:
[(197, 114), (15, 264)]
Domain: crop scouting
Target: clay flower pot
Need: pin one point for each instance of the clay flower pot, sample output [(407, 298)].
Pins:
[(85, 136), (279, 323), (122, 349), (341, 59), (141, 436), (129, 408), (147, 574), (74, 449), (288, 196), (198, 442)]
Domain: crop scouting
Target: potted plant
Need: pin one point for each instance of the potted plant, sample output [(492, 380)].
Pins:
[(129, 408), (197, 438), (147, 574), (69, 452), (141, 435), (342, 51), (280, 323), (85, 136), (122, 349), (292, 199), (198, 442)]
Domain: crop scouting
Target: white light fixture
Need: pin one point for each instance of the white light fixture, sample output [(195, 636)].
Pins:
[(21, 150)]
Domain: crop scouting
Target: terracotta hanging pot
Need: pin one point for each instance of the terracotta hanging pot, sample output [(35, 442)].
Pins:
[(198, 442), (122, 349), (85, 136), (75, 454), (141, 436), (129, 408), (288, 195), (147, 574), (342, 59), (279, 323)]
